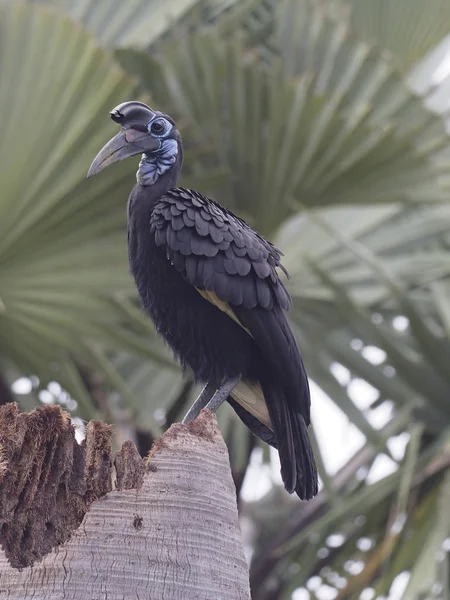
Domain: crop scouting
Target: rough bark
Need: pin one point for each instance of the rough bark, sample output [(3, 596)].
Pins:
[(169, 529)]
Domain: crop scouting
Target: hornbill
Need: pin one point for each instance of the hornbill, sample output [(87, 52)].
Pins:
[(211, 286)]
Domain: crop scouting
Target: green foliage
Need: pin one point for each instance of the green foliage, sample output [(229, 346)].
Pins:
[(402, 27), (64, 277), (131, 23), (326, 119)]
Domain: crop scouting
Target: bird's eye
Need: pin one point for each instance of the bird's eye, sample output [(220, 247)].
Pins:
[(159, 127)]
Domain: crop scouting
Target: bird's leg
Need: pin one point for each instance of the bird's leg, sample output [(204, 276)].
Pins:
[(211, 397), (204, 397), (222, 393)]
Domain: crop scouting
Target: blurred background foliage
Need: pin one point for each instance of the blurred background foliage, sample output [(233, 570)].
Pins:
[(324, 124)]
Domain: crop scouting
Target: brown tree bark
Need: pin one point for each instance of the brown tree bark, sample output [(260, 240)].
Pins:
[(169, 529)]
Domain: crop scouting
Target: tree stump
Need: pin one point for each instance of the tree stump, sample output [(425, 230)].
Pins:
[(168, 530)]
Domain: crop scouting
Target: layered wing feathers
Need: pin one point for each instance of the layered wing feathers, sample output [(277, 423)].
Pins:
[(215, 250)]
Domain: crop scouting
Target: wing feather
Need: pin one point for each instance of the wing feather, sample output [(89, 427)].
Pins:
[(221, 253)]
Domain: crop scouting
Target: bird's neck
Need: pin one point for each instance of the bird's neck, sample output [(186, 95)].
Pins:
[(155, 164), (144, 197)]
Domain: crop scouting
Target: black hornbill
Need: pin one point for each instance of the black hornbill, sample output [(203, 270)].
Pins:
[(211, 286)]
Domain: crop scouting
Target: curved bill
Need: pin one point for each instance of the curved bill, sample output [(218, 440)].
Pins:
[(128, 142)]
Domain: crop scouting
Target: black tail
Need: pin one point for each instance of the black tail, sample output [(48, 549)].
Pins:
[(278, 366), (298, 467)]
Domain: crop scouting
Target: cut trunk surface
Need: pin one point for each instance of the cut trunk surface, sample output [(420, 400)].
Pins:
[(169, 529)]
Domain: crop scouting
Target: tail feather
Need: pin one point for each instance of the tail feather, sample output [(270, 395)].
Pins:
[(307, 484), (278, 366), (284, 435), (298, 466)]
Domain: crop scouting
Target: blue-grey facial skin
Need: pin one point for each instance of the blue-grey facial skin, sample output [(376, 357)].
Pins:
[(154, 164)]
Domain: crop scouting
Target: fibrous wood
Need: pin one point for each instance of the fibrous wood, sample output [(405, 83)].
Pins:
[(169, 529)]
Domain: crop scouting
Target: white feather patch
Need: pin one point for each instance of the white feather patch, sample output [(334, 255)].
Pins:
[(251, 397), (223, 306)]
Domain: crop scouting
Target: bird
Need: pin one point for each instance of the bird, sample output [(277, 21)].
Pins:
[(212, 287)]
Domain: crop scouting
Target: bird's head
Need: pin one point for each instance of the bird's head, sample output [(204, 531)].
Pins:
[(142, 131)]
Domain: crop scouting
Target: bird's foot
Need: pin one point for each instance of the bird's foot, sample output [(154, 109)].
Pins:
[(211, 397), (204, 397)]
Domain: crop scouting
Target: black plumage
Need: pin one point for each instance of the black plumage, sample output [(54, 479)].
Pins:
[(211, 286)]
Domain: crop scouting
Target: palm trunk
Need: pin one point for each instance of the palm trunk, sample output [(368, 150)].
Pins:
[(168, 531)]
